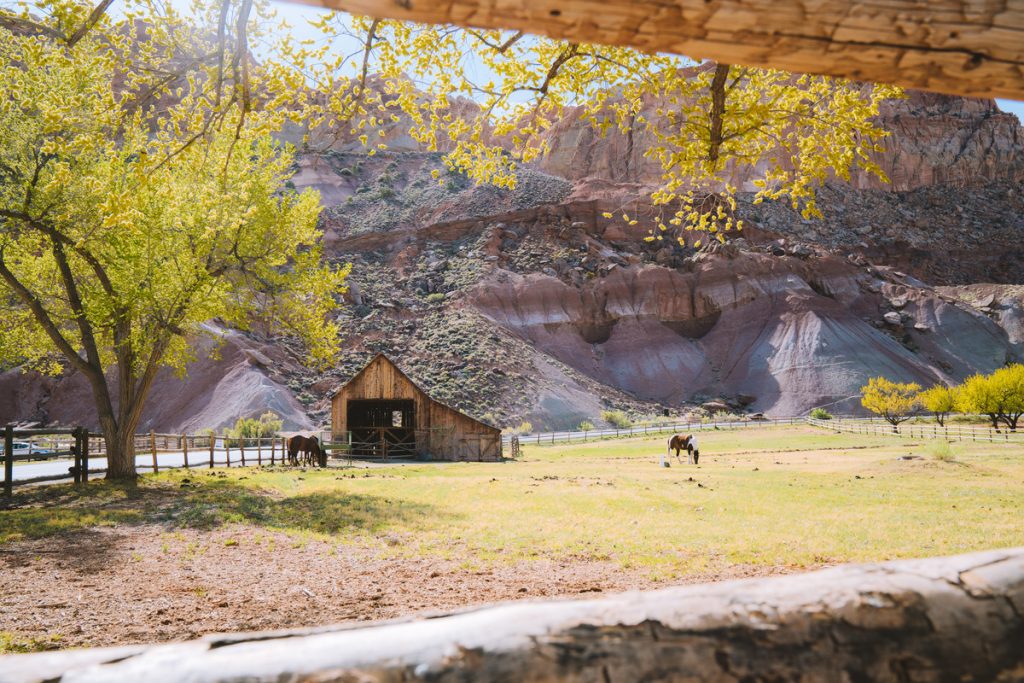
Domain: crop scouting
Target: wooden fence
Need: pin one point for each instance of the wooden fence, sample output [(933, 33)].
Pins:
[(919, 430), (153, 452)]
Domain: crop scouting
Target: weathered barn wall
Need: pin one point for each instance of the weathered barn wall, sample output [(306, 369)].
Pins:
[(442, 433), (961, 47), (941, 619)]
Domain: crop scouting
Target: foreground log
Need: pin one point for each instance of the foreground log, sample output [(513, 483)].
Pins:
[(956, 618), (960, 47)]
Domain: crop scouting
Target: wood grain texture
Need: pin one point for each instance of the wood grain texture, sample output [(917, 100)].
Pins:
[(940, 619), (960, 47)]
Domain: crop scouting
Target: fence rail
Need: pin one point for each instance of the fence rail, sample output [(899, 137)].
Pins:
[(85, 454), (646, 429), (918, 430)]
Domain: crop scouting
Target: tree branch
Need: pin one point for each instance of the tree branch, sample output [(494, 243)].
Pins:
[(717, 111)]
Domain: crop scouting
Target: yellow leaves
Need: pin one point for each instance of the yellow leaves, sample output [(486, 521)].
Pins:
[(607, 214)]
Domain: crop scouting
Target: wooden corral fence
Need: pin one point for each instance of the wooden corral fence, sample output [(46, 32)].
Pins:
[(45, 444), (918, 430), (49, 451)]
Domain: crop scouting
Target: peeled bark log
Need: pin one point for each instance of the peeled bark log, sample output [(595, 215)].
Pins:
[(956, 618), (960, 47)]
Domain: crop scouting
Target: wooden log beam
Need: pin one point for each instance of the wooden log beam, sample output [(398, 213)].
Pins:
[(956, 618), (960, 47)]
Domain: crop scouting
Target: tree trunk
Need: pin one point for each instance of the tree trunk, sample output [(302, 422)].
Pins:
[(120, 441)]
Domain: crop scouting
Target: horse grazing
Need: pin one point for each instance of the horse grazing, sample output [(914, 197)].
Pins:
[(312, 452), (684, 442)]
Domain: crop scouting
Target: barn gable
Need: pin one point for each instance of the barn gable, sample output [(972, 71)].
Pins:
[(380, 411)]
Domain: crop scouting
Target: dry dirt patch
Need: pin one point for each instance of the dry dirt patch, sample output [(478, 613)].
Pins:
[(127, 584)]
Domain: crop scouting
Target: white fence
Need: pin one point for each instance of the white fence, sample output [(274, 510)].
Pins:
[(646, 429)]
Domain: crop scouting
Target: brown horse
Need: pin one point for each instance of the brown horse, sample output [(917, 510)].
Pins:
[(312, 452), (684, 442)]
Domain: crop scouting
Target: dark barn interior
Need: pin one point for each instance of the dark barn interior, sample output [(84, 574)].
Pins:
[(383, 427)]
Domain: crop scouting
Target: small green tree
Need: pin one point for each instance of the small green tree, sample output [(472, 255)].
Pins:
[(940, 400), (821, 414), (894, 401), (586, 426)]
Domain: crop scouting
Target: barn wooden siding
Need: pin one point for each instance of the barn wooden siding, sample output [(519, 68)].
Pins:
[(442, 433)]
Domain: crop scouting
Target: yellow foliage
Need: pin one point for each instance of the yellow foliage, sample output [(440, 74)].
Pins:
[(894, 401)]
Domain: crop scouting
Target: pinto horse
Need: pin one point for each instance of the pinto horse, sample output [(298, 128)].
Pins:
[(309, 446), (684, 442)]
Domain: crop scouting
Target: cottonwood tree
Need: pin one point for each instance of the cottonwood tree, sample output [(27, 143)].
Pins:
[(896, 402), (941, 400), (488, 100), (141, 196), (999, 395)]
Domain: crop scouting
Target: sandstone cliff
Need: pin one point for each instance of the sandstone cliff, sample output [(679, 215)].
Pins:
[(529, 305)]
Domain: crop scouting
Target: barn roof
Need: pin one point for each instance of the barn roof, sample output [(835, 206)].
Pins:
[(382, 356)]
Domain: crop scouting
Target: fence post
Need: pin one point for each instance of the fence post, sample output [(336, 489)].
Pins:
[(184, 450), (152, 444), (85, 453), (241, 449), (212, 442), (259, 451), (77, 469), (227, 452), (9, 460), (273, 448)]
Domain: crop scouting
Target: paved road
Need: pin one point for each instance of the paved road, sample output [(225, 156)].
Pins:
[(143, 463)]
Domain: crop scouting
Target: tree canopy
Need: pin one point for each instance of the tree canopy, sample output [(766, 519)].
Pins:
[(894, 401), (134, 208)]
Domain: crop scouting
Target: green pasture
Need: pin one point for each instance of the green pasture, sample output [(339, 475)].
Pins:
[(772, 497)]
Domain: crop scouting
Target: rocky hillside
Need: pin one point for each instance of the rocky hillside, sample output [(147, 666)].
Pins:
[(527, 305)]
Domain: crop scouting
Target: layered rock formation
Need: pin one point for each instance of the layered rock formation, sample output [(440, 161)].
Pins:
[(529, 305)]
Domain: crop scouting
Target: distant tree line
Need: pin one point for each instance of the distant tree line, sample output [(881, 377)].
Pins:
[(998, 395)]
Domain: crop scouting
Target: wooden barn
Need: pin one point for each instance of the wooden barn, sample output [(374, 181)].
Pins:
[(382, 412)]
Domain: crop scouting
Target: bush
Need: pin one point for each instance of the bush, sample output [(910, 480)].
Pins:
[(616, 418), (524, 428), (942, 451), (586, 426), (821, 414), (268, 425), (435, 297)]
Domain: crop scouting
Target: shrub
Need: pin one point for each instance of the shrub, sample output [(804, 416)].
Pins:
[(821, 414), (616, 418), (586, 426), (524, 428), (268, 425), (435, 297), (942, 451)]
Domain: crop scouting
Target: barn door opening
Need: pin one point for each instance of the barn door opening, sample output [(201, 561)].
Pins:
[(382, 428)]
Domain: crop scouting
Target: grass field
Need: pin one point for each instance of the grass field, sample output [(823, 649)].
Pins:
[(785, 496), (187, 553)]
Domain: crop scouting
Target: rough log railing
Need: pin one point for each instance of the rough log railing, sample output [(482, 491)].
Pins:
[(960, 47), (942, 619)]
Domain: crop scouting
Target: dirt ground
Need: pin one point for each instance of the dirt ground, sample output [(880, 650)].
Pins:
[(128, 584)]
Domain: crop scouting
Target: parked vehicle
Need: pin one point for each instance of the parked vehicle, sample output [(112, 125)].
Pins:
[(26, 448)]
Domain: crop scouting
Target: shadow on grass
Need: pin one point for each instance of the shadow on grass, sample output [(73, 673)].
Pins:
[(202, 503)]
